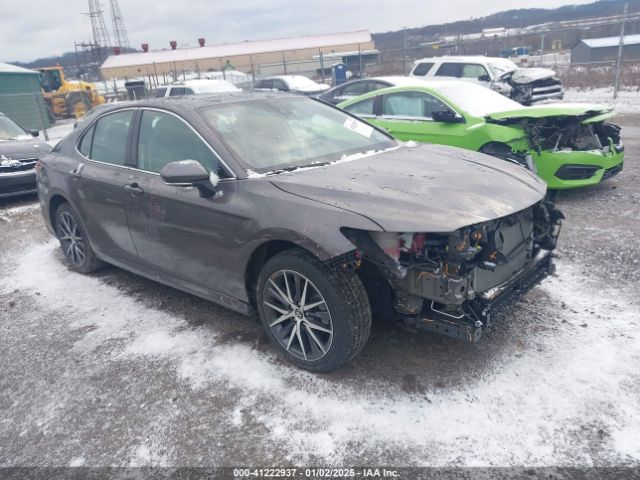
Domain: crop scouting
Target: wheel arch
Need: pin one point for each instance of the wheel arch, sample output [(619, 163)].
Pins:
[(261, 255), (55, 201)]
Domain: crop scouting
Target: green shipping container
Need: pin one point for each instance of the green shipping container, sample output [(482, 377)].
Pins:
[(21, 97)]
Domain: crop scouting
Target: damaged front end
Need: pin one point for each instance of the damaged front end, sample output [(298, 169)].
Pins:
[(449, 283), (532, 85), (569, 150)]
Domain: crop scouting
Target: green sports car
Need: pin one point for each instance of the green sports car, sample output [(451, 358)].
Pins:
[(568, 145)]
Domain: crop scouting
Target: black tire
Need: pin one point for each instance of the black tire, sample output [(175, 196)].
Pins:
[(77, 99), (67, 221), (347, 308)]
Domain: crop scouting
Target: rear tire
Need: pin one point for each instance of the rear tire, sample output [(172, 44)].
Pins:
[(319, 317), (78, 104), (74, 241)]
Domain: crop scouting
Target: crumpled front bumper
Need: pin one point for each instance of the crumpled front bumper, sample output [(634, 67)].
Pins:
[(469, 326), (560, 169)]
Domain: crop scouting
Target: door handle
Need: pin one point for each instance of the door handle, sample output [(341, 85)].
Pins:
[(133, 189), (77, 172)]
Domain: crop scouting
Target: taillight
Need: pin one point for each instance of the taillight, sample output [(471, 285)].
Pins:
[(38, 166)]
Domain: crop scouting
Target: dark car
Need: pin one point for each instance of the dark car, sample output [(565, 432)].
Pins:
[(284, 205), (360, 86), (291, 83), (19, 152)]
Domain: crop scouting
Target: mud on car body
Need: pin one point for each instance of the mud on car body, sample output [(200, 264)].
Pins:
[(283, 205), (568, 145)]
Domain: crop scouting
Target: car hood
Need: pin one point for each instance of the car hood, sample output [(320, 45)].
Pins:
[(21, 149), (587, 112), (523, 76), (424, 188)]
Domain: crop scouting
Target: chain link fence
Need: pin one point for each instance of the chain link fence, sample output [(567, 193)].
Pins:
[(28, 110)]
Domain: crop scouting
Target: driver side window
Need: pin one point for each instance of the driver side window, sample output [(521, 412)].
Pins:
[(165, 138), (473, 70), (411, 104)]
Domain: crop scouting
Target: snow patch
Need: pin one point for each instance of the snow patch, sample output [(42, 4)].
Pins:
[(496, 420)]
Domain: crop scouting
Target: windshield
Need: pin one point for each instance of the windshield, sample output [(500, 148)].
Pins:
[(289, 132), (477, 100), (502, 67), (9, 130)]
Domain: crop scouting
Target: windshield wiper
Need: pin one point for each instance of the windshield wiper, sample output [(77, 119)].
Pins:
[(292, 168)]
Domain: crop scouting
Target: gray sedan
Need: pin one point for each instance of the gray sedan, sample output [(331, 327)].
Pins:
[(284, 206), (19, 152)]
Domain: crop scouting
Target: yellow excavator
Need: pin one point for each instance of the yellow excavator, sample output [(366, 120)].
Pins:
[(67, 98)]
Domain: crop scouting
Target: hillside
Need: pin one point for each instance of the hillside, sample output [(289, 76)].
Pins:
[(516, 18)]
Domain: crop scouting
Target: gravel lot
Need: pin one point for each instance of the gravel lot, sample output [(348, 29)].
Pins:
[(114, 370)]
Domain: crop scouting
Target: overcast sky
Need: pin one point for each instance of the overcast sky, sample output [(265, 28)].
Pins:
[(48, 27)]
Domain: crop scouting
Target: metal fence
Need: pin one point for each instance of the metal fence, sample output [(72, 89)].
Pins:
[(28, 110)]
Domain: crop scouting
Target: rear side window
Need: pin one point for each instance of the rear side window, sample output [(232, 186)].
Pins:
[(354, 89), (109, 139), (280, 85), (450, 70), (85, 143), (365, 107), (165, 139), (422, 69), (160, 92), (264, 84), (373, 85)]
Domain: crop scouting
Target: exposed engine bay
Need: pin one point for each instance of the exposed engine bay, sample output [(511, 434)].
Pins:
[(568, 133), (448, 282)]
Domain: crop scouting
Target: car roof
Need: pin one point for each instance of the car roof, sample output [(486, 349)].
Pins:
[(400, 81), (460, 59), (187, 102)]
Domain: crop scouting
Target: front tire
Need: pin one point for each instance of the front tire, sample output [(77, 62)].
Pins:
[(74, 240), (318, 316)]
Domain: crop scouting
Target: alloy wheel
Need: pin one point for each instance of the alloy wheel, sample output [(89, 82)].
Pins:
[(71, 238), (298, 315)]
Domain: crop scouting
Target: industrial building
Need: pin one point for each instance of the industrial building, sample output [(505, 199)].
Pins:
[(286, 55), (605, 49), (21, 97)]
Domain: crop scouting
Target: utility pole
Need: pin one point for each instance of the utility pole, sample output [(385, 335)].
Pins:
[(542, 49), (616, 85), (404, 50)]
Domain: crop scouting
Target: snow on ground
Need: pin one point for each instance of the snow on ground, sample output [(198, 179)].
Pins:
[(514, 414), (59, 130), (628, 100)]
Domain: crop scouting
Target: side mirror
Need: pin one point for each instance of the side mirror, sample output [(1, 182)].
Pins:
[(447, 116), (484, 78), (190, 173), (35, 133)]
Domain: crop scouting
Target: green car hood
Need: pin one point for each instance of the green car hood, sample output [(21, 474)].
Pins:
[(589, 113)]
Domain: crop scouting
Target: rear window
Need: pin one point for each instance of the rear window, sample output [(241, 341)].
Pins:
[(422, 69)]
